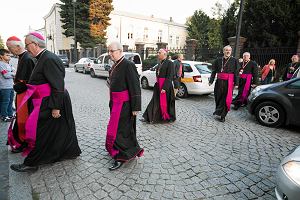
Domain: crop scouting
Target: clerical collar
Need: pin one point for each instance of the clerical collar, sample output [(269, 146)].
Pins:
[(21, 54), (39, 54)]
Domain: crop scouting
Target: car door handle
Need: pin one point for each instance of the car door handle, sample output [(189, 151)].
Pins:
[(291, 95)]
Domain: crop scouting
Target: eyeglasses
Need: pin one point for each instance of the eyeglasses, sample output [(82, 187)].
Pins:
[(111, 51), (26, 45)]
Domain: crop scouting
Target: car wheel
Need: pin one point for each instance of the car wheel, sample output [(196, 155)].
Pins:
[(270, 114), (92, 73), (145, 83), (182, 91), (75, 68)]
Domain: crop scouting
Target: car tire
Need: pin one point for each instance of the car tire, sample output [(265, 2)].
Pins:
[(145, 83), (75, 68), (269, 114), (92, 73), (182, 91)]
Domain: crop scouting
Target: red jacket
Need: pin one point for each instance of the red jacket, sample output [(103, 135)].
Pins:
[(265, 71)]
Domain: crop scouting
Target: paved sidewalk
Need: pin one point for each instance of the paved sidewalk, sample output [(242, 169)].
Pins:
[(3, 163)]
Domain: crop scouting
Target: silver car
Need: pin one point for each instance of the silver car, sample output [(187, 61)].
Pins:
[(288, 177)]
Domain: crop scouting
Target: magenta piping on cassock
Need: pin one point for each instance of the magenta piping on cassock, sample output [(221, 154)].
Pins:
[(230, 82), (163, 99), (247, 86), (36, 93), (118, 98)]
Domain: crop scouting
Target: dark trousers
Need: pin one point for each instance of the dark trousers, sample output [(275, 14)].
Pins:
[(6, 101)]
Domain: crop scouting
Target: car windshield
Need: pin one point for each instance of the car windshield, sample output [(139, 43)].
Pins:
[(203, 69)]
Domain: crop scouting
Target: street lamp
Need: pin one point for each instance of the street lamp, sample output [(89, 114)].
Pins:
[(75, 42)]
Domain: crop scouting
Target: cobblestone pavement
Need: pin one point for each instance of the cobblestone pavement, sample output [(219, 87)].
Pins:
[(195, 157)]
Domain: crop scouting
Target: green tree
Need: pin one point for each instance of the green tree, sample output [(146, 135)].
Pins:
[(272, 23), (90, 15), (1, 43)]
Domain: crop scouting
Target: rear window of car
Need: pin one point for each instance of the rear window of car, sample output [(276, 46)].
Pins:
[(203, 69), (134, 58)]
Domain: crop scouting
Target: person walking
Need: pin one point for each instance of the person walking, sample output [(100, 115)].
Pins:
[(291, 68), (125, 103), (50, 127), (178, 73), (268, 72), (16, 135), (227, 70), (161, 108), (248, 78), (7, 74)]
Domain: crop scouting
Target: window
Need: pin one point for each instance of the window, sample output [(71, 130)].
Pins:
[(106, 60), (177, 41), (187, 67), (99, 60), (159, 36), (294, 85), (203, 69), (145, 33), (171, 39)]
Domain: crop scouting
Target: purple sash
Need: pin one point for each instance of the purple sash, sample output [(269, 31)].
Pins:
[(230, 82), (245, 93), (289, 75), (163, 100), (118, 98), (37, 93)]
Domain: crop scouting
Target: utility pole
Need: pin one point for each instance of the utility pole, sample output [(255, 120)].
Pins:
[(238, 30)]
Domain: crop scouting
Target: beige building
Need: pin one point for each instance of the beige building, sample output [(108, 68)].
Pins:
[(127, 28)]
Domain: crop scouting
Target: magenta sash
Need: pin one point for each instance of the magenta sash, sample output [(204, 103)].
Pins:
[(36, 93), (10, 137), (230, 82), (246, 89), (289, 75), (118, 98), (163, 100)]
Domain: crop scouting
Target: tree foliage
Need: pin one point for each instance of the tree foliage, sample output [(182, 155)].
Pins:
[(1, 43), (204, 29), (91, 20)]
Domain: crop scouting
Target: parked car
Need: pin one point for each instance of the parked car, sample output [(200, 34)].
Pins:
[(64, 59), (84, 65), (103, 64), (276, 104), (288, 177), (195, 80)]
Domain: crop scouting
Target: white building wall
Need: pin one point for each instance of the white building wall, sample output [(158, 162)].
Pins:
[(127, 28)]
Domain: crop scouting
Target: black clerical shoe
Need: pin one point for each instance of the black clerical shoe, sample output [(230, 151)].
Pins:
[(115, 166), (143, 120), (222, 119), (23, 168)]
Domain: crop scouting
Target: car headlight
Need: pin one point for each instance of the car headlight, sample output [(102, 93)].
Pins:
[(292, 169)]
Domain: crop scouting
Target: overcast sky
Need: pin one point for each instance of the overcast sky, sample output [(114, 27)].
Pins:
[(17, 16)]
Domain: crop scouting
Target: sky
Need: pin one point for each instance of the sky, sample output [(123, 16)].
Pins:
[(21, 16)]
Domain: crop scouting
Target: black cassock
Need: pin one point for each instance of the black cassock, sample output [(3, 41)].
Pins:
[(289, 71), (250, 67), (230, 66), (153, 114), (124, 77), (55, 138)]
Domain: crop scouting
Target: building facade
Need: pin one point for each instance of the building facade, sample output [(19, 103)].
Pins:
[(127, 28)]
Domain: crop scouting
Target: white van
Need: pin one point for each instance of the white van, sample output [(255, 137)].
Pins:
[(103, 64)]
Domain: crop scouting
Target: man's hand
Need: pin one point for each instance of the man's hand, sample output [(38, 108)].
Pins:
[(55, 113), (163, 91), (134, 113)]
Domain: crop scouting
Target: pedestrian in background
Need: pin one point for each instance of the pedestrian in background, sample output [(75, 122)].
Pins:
[(125, 103), (268, 72), (178, 73), (248, 78), (50, 127), (161, 107), (227, 70), (7, 74), (291, 68), (25, 65)]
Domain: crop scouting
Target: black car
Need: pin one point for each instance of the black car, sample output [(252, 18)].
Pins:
[(276, 104), (64, 59)]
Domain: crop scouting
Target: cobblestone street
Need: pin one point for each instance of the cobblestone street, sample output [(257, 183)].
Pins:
[(195, 157)]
